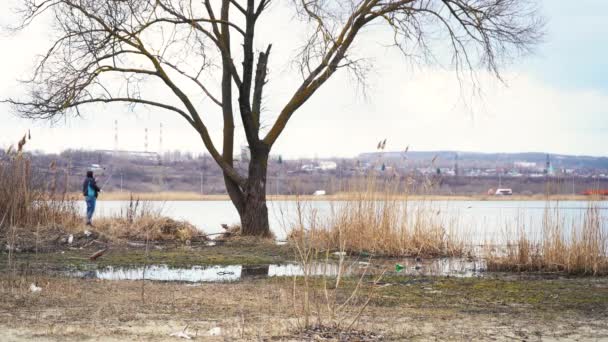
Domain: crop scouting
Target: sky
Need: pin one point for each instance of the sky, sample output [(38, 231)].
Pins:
[(554, 101)]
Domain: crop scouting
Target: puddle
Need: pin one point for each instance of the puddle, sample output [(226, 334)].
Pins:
[(443, 267), (198, 274)]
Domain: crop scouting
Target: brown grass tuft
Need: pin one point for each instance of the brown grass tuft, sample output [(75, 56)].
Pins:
[(149, 227)]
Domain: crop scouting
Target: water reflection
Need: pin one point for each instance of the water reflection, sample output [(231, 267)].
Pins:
[(453, 267), (410, 267), (248, 271)]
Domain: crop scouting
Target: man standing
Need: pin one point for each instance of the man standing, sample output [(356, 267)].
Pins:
[(90, 190)]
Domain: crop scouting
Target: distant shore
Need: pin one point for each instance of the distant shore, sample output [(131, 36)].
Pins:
[(192, 196)]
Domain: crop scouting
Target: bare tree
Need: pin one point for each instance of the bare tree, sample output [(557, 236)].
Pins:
[(171, 43)]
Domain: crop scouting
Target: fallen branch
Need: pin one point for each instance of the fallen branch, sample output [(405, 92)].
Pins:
[(98, 254)]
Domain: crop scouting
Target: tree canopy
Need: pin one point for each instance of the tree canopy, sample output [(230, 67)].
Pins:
[(106, 51)]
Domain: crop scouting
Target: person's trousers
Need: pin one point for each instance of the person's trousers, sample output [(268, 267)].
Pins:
[(90, 208)]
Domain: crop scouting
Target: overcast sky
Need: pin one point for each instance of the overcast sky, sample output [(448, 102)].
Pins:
[(555, 101)]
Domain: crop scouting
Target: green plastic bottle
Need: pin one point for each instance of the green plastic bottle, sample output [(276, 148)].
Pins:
[(398, 267)]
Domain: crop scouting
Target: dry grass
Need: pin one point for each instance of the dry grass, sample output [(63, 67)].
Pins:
[(138, 221), (70, 309), (26, 201), (150, 227), (382, 223), (333, 313), (138, 226), (34, 213), (385, 223), (580, 247)]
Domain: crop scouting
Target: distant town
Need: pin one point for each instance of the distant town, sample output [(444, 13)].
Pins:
[(438, 172)]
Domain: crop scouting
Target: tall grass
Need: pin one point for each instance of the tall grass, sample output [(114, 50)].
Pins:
[(576, 247), (25, 204), (383, 221), (336, 308), (27, 200)]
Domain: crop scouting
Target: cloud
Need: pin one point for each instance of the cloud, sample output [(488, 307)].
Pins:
[(426, 108), (431, 111)]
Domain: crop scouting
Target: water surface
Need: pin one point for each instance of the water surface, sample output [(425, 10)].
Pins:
[(483, 220)]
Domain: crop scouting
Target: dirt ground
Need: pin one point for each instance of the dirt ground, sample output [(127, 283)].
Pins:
[(271, 309)]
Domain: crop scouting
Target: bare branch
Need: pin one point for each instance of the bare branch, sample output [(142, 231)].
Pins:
[(194, 79), (260, 81), (479, 33)]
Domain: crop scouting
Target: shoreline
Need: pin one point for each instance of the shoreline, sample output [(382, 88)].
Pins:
[(191, 196)]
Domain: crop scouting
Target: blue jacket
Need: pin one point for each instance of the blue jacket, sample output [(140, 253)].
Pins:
[(85, 186)]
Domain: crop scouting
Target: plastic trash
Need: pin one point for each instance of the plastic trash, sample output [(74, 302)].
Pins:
[(181, 334), (399, 267), (217, 331), (34, 288)]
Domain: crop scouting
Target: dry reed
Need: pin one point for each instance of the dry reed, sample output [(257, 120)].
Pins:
[(335, 309), (578, 248), (382, 222), (138, 221), (28, 200)]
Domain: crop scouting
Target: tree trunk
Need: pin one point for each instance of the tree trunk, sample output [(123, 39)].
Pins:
[(254, 212)]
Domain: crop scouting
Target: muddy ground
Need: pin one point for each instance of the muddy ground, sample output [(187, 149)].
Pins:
[(136, 253), (411, 309), (502, 308)]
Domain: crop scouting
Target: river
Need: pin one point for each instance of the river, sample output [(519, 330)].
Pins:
[(485, 220)]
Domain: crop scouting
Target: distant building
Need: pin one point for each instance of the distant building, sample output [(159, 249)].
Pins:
[(327, 165), (447, 171), (503, 192), (513, 173), (308, 167), (426, 170), (524, 165), (131, 154), (95, 167), (322, 166), (548, 167)]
